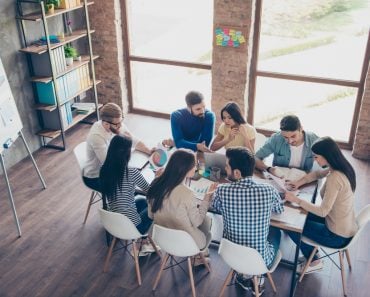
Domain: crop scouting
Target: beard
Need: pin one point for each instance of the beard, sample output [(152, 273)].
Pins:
[(201, 115), (231, 178), (114, 130)]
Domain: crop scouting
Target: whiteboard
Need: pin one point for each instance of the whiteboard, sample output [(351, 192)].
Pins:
[(10, 121)]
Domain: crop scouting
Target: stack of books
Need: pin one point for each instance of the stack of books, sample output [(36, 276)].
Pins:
[(83, 107)]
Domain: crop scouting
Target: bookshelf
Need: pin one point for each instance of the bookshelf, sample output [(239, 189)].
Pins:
[(58, 86)]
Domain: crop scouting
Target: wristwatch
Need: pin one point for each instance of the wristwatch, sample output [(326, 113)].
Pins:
[(268, 169)]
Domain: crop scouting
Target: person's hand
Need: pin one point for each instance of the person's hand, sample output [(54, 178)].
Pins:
[(289, 196), (208, 196), (292, 185), (159, 172), (203, 148), (275, 171), (233, 132), (168, 142)]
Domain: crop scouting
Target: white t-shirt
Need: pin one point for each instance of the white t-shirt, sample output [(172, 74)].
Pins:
[(98, 141), (296, 156)]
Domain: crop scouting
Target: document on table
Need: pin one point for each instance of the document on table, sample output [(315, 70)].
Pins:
[(200, 187)]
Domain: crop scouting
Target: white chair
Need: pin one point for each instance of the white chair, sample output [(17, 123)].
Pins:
[(362, 219), (176, 243), (80, 153), (245, 260), (121, 227)]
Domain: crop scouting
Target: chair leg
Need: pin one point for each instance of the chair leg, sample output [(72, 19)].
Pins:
[(191, 277), (136, 258), (308, 263), (205, 262), (271, 281), (89, 205), (342, 272), (227, 280), (348, 259), (154, 246), (164, 261), (109, 254), (256, 290)]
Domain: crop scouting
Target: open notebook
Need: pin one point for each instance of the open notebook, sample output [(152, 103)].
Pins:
[(200, 187)]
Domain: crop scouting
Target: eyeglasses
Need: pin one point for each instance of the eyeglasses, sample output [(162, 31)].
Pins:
[(116, 125)]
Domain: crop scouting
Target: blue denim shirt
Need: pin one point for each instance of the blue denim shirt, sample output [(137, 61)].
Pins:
[(278, 146)]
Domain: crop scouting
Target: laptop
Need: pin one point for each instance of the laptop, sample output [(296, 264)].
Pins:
[(215, 160)]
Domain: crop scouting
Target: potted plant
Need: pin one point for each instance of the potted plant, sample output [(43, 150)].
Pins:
[(70, 52), (50, 5)]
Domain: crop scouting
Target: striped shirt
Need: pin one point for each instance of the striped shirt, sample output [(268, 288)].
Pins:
[(246, 208), (123, 200)]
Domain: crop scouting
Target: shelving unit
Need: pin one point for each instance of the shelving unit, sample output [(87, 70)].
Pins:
[(62, 85)]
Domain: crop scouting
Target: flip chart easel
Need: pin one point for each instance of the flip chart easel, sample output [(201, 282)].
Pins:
[(10, 130)]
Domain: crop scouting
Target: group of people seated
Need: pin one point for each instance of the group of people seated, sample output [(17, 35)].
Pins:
[(245, 204)]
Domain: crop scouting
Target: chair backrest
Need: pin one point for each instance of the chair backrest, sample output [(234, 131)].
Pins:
[(174, 242), (80, 153), (362, 219), (241, 258), (259, 142), (119, 225)]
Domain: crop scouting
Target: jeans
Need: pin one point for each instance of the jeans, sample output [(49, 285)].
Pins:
[(142, 209), (274, 238), (316, 230)]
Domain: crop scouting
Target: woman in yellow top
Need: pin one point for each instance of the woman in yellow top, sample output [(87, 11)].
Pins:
[(234, 131), (333, 222)]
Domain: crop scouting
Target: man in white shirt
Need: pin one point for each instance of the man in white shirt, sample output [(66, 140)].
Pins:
[(98, 141)]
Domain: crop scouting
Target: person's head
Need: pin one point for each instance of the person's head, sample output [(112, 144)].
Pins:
[(180, 166), (116, 163), (328, 154), (291, 130), (195, 103), (231, 115), (111, 116), (239, 163)]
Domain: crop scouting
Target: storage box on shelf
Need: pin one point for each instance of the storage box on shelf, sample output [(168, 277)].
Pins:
[(58, 87)]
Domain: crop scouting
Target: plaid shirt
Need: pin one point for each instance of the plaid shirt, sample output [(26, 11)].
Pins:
[(246, 210)]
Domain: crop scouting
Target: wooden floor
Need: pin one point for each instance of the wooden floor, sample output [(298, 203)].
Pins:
[(59, 256)]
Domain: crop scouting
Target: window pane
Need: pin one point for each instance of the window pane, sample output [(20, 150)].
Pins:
[(324, 38), (324, 109), (171, 29), (163, 88)]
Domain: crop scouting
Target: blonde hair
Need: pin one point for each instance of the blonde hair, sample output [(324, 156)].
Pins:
[(110, 111)]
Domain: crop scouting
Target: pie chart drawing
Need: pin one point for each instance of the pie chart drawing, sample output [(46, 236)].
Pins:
[(159, 158)]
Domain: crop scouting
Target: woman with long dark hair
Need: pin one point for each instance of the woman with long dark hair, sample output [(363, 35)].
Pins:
[(118, 183), (172, 203), (333, 222), (234, 131)]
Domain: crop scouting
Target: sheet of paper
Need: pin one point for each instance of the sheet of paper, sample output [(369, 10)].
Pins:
[(200, 187)]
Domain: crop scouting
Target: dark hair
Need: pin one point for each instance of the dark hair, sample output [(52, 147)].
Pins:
[(193, 97), (115, 167), (175, 172), (242, 159), (290, 123), (328, 148), (234, 111)]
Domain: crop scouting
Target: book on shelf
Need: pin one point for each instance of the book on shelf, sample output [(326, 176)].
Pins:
[(84, 107), (51, 119), (41, 64), (68, 86)]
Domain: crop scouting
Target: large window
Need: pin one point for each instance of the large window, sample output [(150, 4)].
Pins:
[(170, 51), (310, 62)]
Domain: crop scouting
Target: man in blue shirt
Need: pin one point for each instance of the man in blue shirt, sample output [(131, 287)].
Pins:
[(193, 127), (291, 147), (246, 207)]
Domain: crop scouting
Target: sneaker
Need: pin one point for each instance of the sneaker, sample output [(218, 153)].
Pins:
[(198, 261), (311, 269), (146, 249), (261, 286), (244, 282)]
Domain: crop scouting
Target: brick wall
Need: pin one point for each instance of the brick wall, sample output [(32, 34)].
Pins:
[(105, 18), (229, 65), (361, 147)]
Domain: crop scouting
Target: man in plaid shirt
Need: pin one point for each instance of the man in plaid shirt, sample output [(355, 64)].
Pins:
[(246, 206)]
